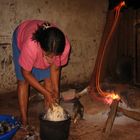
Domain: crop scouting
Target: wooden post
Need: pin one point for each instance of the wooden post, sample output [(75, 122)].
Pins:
[(110, 120), (131, 114)]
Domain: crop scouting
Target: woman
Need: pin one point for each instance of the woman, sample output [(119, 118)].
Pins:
[(39, 50)]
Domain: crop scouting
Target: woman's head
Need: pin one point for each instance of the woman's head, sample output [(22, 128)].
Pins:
[(51, 39)]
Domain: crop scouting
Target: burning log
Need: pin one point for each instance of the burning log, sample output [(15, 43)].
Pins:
[(111, 117), (131, 114)]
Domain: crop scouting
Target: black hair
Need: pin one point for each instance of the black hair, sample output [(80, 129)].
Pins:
[(51, 39)]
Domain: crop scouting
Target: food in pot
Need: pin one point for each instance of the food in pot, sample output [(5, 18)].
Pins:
[(57, 113)]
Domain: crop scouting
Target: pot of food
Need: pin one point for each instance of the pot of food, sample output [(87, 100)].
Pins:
[(55, 124)]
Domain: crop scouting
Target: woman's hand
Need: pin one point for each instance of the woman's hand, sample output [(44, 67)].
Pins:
[(50, 102), (55, 97), (34, 83)]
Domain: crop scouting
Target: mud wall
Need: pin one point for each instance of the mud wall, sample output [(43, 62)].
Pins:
[(82, 21)]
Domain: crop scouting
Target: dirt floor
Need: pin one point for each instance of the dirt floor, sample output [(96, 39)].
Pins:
[(89, 128)]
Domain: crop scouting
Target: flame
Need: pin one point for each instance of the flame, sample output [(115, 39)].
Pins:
[(119, 6), (113, 96), (110, 97)]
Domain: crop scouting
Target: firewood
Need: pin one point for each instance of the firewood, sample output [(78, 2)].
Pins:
[(131, 114), (110, 120)]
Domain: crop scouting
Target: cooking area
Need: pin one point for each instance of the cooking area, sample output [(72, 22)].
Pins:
[(100, 84)]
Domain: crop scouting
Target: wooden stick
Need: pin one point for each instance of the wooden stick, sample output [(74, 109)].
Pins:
[(131, 114), (110, 120)]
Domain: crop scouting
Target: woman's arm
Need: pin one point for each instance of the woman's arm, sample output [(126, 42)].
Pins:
[(55, 75), (34, 83)]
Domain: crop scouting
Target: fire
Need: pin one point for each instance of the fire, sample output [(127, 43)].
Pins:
[(114, 96), (110, 97), (119, 6)]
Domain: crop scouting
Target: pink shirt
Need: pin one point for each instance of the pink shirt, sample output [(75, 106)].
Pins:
[(31, 53)]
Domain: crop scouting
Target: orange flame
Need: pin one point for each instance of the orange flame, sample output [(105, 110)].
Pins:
[(113, 96), (109, 97), (118, 7)]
